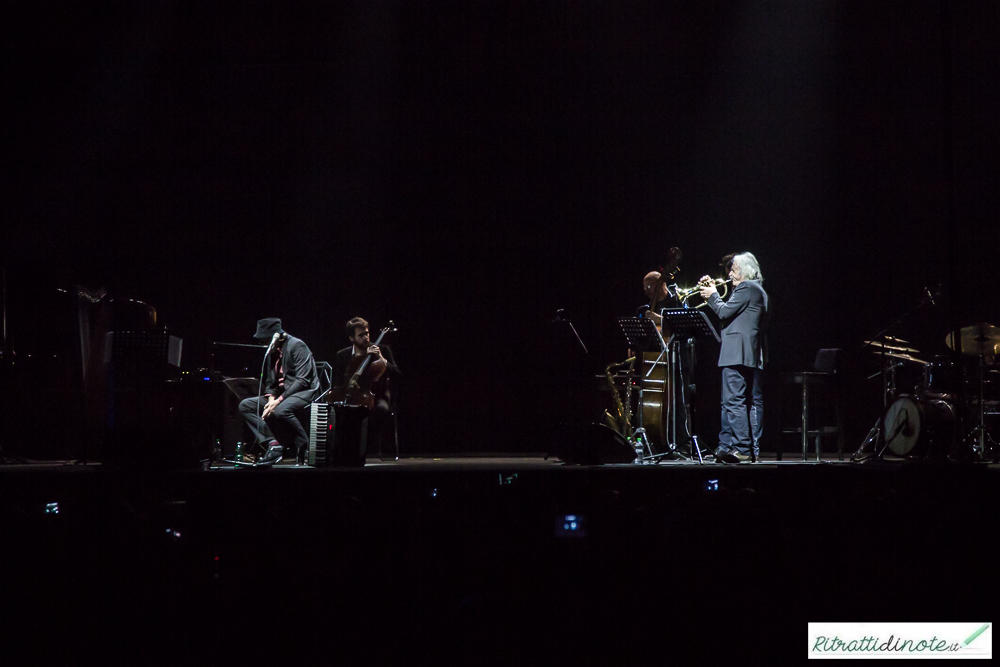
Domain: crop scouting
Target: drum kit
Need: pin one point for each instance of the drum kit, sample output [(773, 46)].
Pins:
[(924, 422)]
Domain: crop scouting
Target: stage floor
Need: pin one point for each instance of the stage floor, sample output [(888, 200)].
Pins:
[(484, 559)]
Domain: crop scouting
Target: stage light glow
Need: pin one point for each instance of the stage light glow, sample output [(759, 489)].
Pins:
[(570, 525)]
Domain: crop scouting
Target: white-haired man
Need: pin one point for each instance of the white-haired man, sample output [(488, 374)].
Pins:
[(741, 357)]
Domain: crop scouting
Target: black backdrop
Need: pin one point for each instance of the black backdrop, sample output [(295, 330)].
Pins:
[(465, 169)]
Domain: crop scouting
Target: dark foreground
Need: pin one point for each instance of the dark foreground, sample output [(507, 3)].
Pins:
[(470, 561)]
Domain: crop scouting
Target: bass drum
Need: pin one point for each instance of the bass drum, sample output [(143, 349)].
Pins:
[(920, 427)]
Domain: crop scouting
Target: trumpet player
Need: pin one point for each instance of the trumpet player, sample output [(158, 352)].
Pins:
[(741, 356)]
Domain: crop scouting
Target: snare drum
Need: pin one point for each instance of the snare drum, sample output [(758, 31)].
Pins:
[(920, 427)]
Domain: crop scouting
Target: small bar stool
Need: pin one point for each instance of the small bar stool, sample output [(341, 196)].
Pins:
[(824, 374)]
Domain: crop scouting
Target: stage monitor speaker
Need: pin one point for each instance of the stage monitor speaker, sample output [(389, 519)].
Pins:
[(593, 444)]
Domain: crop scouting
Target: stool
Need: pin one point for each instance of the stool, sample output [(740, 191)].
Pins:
[(825, 374)]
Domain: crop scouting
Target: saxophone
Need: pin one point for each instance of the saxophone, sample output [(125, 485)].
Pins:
[(621, 421)]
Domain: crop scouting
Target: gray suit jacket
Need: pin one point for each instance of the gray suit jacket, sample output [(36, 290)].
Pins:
[(743, 317)]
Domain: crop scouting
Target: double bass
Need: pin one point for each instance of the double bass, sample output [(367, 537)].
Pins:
[(361, 374), (653, 370)]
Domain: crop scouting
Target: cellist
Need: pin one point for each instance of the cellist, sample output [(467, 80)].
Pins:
[(381, 369)]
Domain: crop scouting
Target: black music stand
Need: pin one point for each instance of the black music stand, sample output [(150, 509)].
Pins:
[(642, 336), (684, 323), (689, 322)]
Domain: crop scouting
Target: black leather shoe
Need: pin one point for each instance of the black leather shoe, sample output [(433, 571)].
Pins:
[(271, 456), (740, 457), (723, 455)]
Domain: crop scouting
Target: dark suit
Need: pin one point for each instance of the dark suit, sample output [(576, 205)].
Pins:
[(299, 387), (743, 317)]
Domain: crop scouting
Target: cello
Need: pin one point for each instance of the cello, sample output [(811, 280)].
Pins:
[(361, 374)]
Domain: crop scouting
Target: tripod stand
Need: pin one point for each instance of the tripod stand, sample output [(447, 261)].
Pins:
[(982, 444)]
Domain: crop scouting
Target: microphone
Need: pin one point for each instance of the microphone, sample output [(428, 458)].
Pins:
[(930, 296), (274, 339)]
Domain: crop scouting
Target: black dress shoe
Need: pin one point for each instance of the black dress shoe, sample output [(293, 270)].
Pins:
[(271, 456), (723, 455), (740, 457)]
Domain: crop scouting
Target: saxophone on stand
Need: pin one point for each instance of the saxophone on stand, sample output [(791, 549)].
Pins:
[(621, 420)]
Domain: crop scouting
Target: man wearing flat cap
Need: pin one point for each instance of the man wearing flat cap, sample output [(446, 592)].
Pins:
[(290, 384)]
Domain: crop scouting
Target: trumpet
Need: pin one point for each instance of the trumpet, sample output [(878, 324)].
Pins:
[(683, 294)]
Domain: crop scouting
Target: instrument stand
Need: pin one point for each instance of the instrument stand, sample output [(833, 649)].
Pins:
[(981, 442)]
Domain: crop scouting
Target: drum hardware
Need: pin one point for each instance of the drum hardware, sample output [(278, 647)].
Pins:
[(979, 340), (892, 363), (894, 348), (875, 442)]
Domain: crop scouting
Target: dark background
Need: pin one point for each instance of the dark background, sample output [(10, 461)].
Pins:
[(465, 169)]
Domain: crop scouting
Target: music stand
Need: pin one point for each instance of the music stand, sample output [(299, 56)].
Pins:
[(642, 336), (689, 322), (683, 323), (241, 388)]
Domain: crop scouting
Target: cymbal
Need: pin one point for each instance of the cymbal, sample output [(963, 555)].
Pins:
[(880, 344), (905, 357), (979, 339), (896, 340)]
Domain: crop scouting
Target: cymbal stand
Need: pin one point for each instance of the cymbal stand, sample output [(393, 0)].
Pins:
[(978, 437)]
